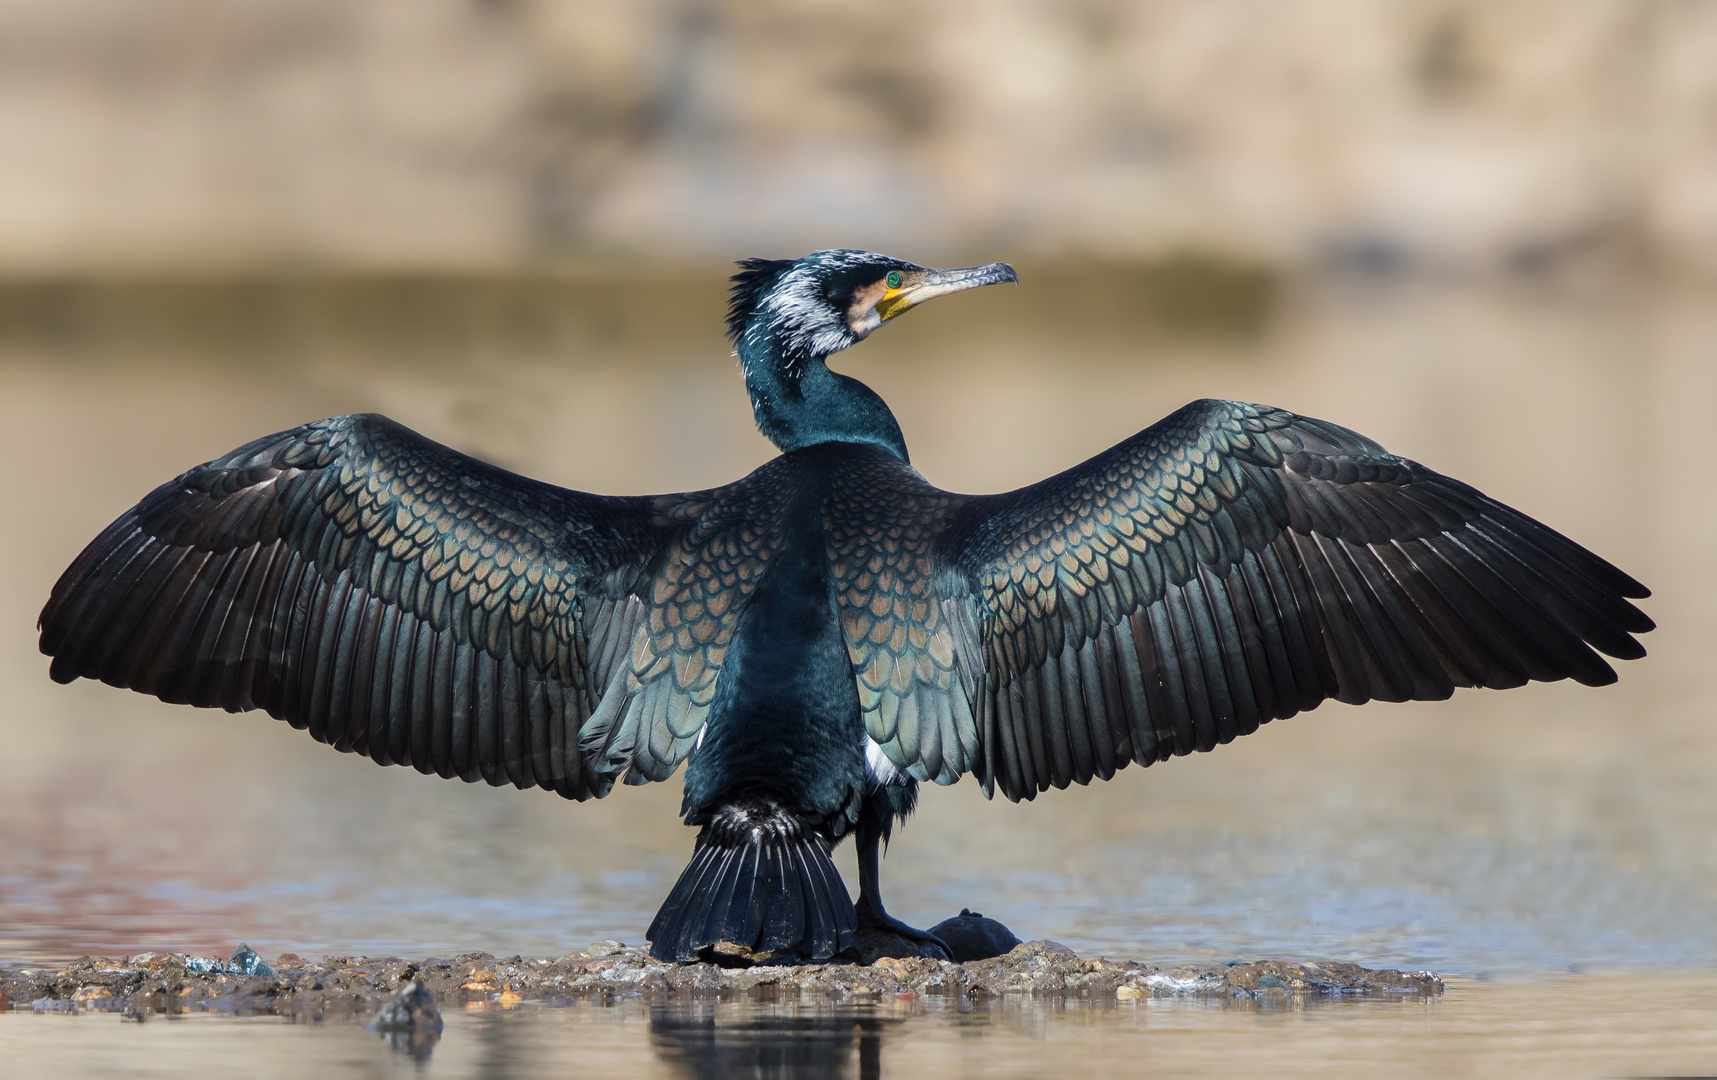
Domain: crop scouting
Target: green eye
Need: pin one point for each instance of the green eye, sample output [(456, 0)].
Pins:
[(893, 279)]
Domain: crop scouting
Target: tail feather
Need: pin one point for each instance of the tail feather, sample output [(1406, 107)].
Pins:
[(760, 878)]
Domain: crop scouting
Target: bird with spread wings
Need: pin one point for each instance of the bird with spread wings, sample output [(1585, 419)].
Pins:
[(819, 636)]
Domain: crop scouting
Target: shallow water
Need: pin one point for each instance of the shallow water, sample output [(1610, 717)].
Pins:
[(1545, 829), (1568, 1026)]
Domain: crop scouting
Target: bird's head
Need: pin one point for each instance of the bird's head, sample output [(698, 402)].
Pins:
[(787, 316), (818, 305)]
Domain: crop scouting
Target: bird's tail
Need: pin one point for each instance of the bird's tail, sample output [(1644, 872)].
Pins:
[(760, 878)]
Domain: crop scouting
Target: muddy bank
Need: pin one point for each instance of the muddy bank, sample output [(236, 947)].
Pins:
[(359, 986)]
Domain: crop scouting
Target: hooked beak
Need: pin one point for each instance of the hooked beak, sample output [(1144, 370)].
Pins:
[(929, 284)]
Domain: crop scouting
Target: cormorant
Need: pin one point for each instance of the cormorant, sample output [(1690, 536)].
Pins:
[(819, 637)]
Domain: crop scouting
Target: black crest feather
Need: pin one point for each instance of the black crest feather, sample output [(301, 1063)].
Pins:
[(753, 280)]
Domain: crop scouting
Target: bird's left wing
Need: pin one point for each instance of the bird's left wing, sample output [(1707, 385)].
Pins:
[(1234, 564), (393, 596)]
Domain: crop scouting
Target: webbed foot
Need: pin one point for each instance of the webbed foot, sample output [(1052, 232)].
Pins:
[(883, 923)]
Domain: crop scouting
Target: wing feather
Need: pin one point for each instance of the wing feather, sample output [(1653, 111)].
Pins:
[(389, 595), (1235, 564)]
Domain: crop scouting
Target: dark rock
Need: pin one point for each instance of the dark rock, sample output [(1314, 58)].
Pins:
[(411, 1022), (412, 1009), (970, 936)]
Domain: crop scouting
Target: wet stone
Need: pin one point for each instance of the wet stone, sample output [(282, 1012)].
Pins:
[(365, 988), (410, 1023)]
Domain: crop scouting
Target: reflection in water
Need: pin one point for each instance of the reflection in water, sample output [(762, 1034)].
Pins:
[(1657, 1024), (411, 1023), (708, 1039), (1529, 830), (418, 1045), (713, 1038)]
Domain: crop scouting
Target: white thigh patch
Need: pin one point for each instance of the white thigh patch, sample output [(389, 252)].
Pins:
[(878, 769)]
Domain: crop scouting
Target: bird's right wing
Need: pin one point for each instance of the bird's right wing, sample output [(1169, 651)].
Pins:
[(393, 596)]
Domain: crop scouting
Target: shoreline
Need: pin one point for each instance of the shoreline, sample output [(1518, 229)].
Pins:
[(170, 983)]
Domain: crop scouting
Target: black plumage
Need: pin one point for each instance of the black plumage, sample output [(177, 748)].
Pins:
[(818, 637)]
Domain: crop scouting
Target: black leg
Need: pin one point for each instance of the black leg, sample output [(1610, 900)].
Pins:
[(868, 836), (869, 842)]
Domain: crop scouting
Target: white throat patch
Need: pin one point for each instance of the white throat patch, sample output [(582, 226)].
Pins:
[(798, 314)]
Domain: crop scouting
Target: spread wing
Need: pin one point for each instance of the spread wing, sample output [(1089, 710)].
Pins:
[(392, 596), (1235, 564)]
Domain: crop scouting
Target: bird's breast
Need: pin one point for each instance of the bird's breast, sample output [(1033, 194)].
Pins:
[(786, 711)]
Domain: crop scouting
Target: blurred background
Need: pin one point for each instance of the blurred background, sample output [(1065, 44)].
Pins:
[(1484, 233), (495, 136)]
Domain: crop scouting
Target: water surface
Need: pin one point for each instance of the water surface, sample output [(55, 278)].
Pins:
[(1565, 1026)]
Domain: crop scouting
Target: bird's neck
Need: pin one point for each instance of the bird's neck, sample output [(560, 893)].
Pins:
[(807, 404)]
